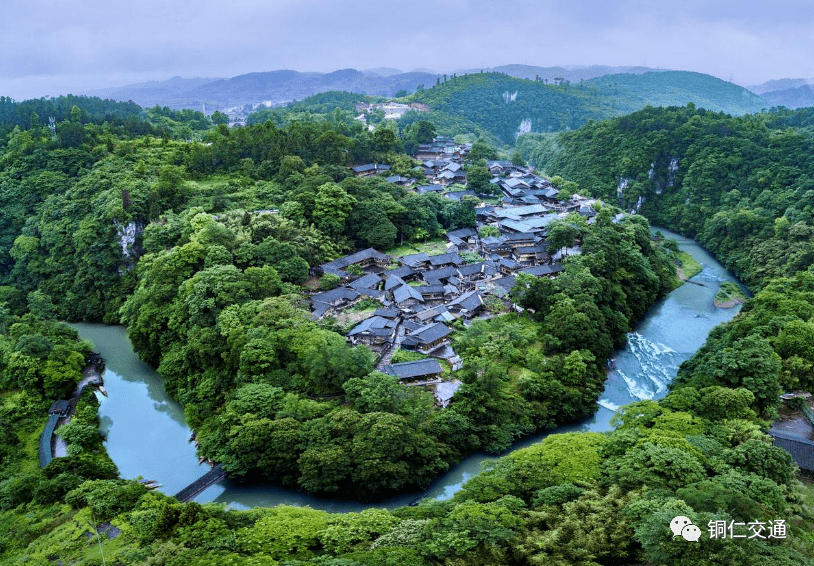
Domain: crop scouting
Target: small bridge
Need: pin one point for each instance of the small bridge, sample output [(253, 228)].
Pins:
[(46, 454), (210, 478)]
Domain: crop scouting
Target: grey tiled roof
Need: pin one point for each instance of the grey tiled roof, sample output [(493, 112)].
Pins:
[(373, 323), (335, 295), (443, 259), (429, 333), (469, 301), (369, 281), (406, 292), (411, 370)]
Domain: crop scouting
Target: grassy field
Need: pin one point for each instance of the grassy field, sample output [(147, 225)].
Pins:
[(688, 266), (436, 246)]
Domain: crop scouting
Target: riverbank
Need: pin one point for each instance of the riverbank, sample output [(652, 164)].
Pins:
[(148, 437), (60, 412)]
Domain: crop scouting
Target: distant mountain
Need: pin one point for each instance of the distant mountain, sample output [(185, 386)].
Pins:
[(382, 71), (273, 87), (796, 97), (593, 92), (778, 84), (505, 106), (570, 73), (678, 88), (171, 92)]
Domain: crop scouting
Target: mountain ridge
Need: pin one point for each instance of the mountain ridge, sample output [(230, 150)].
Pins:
[(284, 85)]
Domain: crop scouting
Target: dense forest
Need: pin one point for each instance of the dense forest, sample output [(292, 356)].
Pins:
[(176, 239), (503, 106), (741, 185)]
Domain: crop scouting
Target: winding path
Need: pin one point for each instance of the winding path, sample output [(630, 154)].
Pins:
[(93, 377)]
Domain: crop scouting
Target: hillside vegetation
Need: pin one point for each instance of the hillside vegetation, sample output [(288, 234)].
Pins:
[(742, 185), (505, 106), (210, 290)]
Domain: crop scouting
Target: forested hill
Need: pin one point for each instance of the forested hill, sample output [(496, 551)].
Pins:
[(201, 249), (506, 106), (13, 113), (743, 186), (677, 88)]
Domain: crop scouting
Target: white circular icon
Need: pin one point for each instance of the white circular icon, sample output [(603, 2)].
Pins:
[(682, 526), (677, 524), (691, 533)]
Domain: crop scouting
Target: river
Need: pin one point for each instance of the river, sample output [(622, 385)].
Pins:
[(147, 435)]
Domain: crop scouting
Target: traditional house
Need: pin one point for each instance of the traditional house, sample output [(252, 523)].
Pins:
[(587, 210), (410, 326), (389, 312), (420, 261), (565, 252), (449, 177), (391, 281), (428, 151), (545, 270), (549, 195), (407, 296), (363, 259), (508, 266), (369, 169), (424, 370), (405, 272), (477, 271), (459, 195), (334, 299), (444, 392), (440, 276), (469, 237), (531, 255), (540, 223), (399, 180), (434, 188), (492, 244), (431, 292), (467, 305), (507, 226), (520, 239), (430, 314), (444, 260), (373, 331), (369, 281), (506, 283), (427, 338)]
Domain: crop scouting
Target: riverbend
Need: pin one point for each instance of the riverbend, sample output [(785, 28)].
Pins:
[(147, 434)]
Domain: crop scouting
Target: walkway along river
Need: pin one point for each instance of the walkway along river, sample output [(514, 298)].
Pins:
[(147, 435)]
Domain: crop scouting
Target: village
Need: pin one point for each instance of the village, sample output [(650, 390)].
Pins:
[(419, 295)]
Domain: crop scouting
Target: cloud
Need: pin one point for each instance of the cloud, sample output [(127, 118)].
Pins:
[(94, 38)]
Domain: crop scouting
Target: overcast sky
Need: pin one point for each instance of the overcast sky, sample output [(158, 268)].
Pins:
[(50, 47)]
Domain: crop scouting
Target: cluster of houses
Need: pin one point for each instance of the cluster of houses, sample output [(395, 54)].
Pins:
[(392, 110), (421, 294)]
